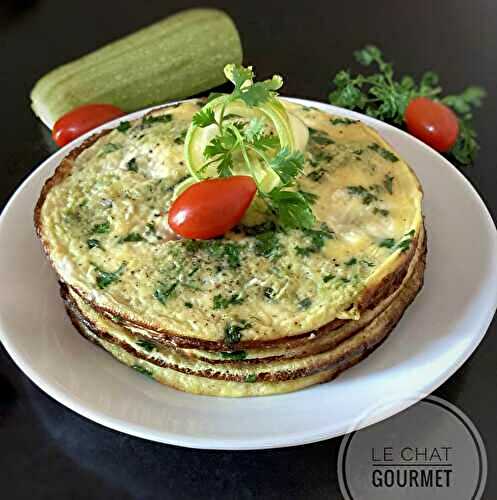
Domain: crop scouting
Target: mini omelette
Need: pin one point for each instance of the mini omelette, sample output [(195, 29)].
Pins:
[(260, 310)]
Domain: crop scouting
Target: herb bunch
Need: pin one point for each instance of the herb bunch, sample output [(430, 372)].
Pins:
[(382, 96), (249, 144)]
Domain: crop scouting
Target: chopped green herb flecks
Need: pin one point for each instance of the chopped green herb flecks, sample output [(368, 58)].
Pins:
[(123, 126), (250, 379), (342, 121), (317, 239), (146, 345), (268, 292), (132, 165), (388, 183), (110, 147), (384, 153), (267, 245), (328, 278), (106, 278), (101, 228), (319, 156), (189, 305), (233, 332), (305, 303), (148, 121), (131, 238), (316, 175), (405, 243), (143, 371), (220, 302), (235, 355), (320, 137), (366, 195), (228, 251), (387, 243), (164, 291), (351, 262), (180, 139), (93, 243), (380, 211)]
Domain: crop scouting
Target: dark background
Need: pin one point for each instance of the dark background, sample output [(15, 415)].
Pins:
[(47, 451)]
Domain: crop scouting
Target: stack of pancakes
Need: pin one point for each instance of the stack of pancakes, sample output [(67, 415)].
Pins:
[(261, 310)]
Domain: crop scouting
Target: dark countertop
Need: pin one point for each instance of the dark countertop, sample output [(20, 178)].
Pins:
[(50, 452)]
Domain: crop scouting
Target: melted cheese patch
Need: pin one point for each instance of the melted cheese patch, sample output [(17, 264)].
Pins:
[(106, 228)]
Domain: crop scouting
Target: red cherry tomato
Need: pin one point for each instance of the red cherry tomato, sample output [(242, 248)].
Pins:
[(82, 119), (212, 207), (432, 122)]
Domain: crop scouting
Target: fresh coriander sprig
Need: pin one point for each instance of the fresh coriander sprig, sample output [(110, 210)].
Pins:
[(382, 96), (248, 144)]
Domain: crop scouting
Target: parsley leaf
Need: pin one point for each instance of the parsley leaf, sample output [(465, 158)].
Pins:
[(342, 121), (110, 147), (233, 332), (388, 183), (102, 228), (387, 243), (267, 245), (204, 118), (132, 166), (287, 164), (251, 93), (235, 355), (384, 153), (131, 238), (93, 243), (146, 345), (220, 302), (106, 278), (292, 207), (317, 239), (124, 126), (366, 195), (150, 120)]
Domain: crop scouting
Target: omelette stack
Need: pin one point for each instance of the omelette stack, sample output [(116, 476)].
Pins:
[(259, 311)]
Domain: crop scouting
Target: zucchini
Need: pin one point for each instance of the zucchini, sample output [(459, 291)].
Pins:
[(175, 58)]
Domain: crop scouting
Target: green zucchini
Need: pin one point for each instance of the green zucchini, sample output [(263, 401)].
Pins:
[(175, 58)]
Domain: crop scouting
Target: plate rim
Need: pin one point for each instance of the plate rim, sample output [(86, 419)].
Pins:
[(72, 402)]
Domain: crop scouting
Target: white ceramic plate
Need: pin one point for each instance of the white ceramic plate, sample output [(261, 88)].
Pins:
[(437, 334)]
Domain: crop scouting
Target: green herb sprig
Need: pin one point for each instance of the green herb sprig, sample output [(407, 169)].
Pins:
[(249, 143), (382, 96)]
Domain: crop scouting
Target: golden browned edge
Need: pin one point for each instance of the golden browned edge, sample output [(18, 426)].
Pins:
[(325, 376), (309, 341), (371, 296), (354, 355)]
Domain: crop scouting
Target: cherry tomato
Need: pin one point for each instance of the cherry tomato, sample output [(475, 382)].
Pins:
[(212, 207), (432, 122), (82, 119)]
